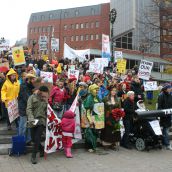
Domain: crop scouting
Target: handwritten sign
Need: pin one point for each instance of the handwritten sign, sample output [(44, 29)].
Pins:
[(150, 85), (95, 67), (13, 111), (73, 74), (47, 76), (121, 65)]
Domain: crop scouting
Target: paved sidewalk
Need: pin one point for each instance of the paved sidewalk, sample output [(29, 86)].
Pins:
[(115, 161)]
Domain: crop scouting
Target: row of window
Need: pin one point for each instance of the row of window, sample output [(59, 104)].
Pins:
[(59, 14), (168, 18), (65, 27), (167, 45), (76, 38), (167, 32)]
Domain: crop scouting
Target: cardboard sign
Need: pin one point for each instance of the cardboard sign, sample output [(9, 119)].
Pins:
[(18, 56), (95, 67), (13, 111), (121, 65), (47, 76), (73, 74), (145, 69), (55, 44), (53, 141), (150, 85), (43, 43), (118, 55)]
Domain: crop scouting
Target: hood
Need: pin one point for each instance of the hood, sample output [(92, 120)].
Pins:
[(11, 71), (69, 114)]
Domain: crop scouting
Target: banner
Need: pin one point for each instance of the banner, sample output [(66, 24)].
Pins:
[(54, 44), (118, 55), (95, 67), (99, 117), (4, 45), (18, 56), (43, 43), (121, 65), (47, 76), (106, 47), (72, 54), (13, 111), (73, 74), (150, 85), (145, 69), (53, 141)]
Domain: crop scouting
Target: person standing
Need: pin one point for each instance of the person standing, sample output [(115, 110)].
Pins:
[(37, 115), (26, 90), (9, 92), (165, 102)]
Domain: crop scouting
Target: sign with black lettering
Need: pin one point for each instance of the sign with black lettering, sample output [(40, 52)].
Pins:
[(145, 69)]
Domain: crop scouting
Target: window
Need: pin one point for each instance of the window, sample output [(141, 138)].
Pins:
[(82, 38), (87, 25), (42, 17), (36, 29), (82, 26), (76, 13), (72, 38), (164, 17), (72, 26), (92, 11), (50, 16), (97, 36), (170, 32), (65, 27), (30, 41), (92, 37), (40, 29), (31, 30), (156, 67), (77, 26), (164, 32), (64, 38), (164, 45), (34, 18), (97, 24), (65, 15), (44, 29), (77, 38), (87, 37), (92, 25)]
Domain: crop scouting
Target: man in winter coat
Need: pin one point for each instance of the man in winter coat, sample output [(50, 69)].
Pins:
[(9, 92), (68, 129), (37, 115), (26, 90), (165, 102)]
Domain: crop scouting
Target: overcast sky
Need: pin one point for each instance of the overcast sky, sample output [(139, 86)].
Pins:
[(14, 14)]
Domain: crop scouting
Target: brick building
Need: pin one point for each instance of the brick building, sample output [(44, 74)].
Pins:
[(166, 31), (80, 28)]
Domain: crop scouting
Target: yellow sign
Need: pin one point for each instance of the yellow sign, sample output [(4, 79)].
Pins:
[(45, 57), (121, 65), (18, 56)]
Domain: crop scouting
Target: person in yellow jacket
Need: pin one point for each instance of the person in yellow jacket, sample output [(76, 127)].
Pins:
[(10, 91)]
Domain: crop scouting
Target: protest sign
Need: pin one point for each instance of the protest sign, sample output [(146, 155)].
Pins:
[(54, 44), (4, 67), (118, 55), (156, 127), (13, 111), (145, 69), (18, 56), (150, 85), (105, 47), (73, 74), (95, 67), (43, 43), (121, 65), (98, 119), (53, 141), (47, 76), (4, 45)]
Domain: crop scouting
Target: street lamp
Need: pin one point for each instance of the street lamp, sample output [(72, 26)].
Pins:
[(112, 18)]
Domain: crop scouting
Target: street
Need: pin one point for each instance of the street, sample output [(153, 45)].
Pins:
[(120, 161)]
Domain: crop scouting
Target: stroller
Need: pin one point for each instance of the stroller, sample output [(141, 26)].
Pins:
[(146, 129)]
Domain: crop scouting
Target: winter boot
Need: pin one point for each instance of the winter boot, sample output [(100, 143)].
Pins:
[(33, 158), (68, 153)]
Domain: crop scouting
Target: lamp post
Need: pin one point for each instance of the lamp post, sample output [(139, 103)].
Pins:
[(112, 18)]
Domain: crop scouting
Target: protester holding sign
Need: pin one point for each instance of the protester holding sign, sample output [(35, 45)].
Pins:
[(9, 92)]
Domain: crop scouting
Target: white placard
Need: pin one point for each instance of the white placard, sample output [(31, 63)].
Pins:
[(150, 85), (47, 76), (55, 44), (42, 43), (118, 55), (156, 127), (145, 69), (73, 74), (95, 67)]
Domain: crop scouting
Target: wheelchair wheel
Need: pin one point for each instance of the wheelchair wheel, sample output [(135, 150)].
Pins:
[(140, 144)]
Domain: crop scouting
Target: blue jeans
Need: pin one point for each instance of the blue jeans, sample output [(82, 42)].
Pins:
[(166, 140), (23, 130)]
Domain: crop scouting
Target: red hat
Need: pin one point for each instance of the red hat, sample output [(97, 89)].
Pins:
[(72, 79), (86, 78)]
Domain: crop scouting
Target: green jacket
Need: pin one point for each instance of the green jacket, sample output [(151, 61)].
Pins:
[(36, 109)]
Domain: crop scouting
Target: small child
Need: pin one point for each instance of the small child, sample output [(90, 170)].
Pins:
[(68, 128)]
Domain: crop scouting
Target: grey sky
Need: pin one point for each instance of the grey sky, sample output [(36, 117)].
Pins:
[(14, 14)]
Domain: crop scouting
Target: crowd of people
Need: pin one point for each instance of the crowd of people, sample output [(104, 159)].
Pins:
[(116, 92)]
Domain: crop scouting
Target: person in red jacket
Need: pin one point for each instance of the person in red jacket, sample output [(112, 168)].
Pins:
[(68, 129)]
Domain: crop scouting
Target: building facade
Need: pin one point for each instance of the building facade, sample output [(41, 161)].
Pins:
[(134, 26), (80, 28)]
